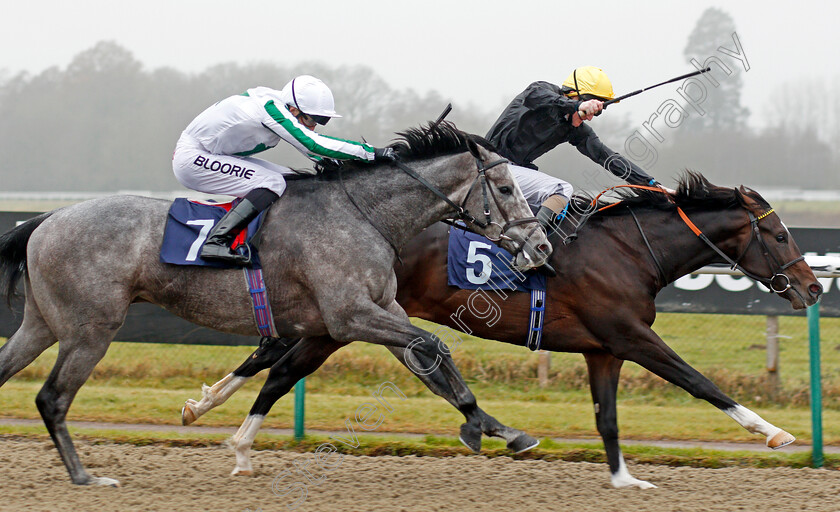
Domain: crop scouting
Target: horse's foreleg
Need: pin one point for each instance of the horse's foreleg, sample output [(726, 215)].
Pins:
[(301, 360), (604, 371), (653, 354), (461, 397), (269, 352)]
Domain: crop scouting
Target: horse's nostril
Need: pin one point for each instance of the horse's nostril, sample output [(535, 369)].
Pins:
[(815, 289), (543, 248)]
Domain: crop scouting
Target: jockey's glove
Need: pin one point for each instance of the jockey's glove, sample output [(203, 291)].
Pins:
[(384, 155)]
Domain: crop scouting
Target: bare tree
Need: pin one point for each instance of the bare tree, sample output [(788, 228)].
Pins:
[(723, 109)]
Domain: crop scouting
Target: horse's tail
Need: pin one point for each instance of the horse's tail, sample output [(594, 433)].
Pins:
[(13, 255)]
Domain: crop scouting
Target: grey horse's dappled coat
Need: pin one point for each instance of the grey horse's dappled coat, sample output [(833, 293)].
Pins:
[(328, 271)]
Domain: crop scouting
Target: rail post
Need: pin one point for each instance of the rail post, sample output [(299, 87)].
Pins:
[(772, 336), (816, 389), (300, 396)]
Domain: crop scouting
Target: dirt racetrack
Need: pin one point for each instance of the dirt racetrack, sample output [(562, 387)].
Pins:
[(196, 479)]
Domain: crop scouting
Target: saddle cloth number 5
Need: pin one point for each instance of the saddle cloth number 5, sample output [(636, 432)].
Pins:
[(474, 257)]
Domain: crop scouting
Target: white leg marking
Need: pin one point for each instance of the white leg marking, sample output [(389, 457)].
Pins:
[(241, 443), (212, 396), (622, 478), (776, 437)]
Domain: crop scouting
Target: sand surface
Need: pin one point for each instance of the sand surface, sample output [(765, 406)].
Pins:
[(32, 478)]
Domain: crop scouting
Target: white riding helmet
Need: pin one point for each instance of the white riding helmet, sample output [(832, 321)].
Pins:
[(311, 96)]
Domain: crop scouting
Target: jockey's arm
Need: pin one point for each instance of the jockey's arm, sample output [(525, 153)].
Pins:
[(312, 144), (588, 143), (541, 95)]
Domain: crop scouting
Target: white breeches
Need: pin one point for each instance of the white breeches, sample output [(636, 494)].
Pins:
[(537, 186), (200, 170)]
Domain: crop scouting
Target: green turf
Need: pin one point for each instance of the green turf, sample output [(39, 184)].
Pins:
[(149, 382)]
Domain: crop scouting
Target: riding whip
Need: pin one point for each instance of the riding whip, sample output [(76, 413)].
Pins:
[(616, 100)]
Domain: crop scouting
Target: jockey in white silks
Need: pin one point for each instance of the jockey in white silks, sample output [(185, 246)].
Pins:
[(214, 152)]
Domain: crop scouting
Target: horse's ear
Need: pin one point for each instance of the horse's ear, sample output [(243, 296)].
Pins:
[(473, 147), (739, 193), (742, 193)]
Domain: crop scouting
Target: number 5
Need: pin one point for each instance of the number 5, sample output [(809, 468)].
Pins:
[(206, 225), (486, 264)]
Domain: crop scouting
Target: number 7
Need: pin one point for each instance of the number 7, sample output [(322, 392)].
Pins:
[(206, 225)]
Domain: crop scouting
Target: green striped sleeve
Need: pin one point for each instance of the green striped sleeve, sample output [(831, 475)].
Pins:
[(310, 143)]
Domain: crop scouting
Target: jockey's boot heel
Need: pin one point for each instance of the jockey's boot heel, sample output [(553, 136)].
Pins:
[(217, 247)]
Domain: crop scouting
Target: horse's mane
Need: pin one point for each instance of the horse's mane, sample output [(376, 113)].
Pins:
[(693, 190), (426, 141)]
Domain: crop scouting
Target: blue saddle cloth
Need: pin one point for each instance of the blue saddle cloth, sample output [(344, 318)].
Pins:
[(187, 227), (476, 263)]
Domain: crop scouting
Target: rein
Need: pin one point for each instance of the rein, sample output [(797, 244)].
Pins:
[(755, 234), (663, 280), (461, 212), (372, 222)]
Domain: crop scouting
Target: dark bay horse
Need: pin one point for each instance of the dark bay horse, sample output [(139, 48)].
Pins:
[(328, 252), (601, 303)]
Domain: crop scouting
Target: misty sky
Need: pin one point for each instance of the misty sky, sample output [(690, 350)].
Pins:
[(484, 52)]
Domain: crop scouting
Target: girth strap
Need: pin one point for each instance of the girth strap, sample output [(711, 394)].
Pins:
[(259, 299), (535, 325)]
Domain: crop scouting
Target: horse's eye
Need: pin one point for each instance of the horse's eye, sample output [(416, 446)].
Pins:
[(781, 238), (506, 190)]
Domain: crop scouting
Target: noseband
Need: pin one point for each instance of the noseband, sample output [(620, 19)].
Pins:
[(783, 283)]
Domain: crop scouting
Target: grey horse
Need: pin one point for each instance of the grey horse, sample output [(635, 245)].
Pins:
[(328, 250)]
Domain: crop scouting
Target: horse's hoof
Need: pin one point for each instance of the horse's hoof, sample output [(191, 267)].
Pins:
[(780, 440), (107, 482), (187, 414), (523, 443), (629, 482), (471, 437), (241, 472)]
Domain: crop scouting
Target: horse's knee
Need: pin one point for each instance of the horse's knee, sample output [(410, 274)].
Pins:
[(607, 428)]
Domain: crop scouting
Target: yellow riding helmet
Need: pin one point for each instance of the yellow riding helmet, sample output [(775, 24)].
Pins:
[(590, 80)]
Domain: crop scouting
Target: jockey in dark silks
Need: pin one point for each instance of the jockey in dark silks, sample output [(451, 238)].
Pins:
[(545, 115)]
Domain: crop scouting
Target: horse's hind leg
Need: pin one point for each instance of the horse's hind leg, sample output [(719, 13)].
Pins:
[(269, 352), (478, 421), (390, 326), (653, 354), (604, 370), (27, 343), (304, 358), (77, 356)]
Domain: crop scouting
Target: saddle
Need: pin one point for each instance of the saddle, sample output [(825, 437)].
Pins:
[(187, 226)]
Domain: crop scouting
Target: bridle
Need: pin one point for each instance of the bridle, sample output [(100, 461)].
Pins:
[(755, 235), (779, 282), (461, 211)]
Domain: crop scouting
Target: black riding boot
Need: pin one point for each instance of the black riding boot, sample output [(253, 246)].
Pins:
[(546, 216), (217, 247)]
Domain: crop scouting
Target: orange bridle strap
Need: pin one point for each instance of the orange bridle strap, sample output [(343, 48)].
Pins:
[(640, 187), (688, 222)]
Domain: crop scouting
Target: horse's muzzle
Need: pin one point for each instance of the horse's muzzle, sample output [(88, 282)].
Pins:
[(804, 296), (534, 252)]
